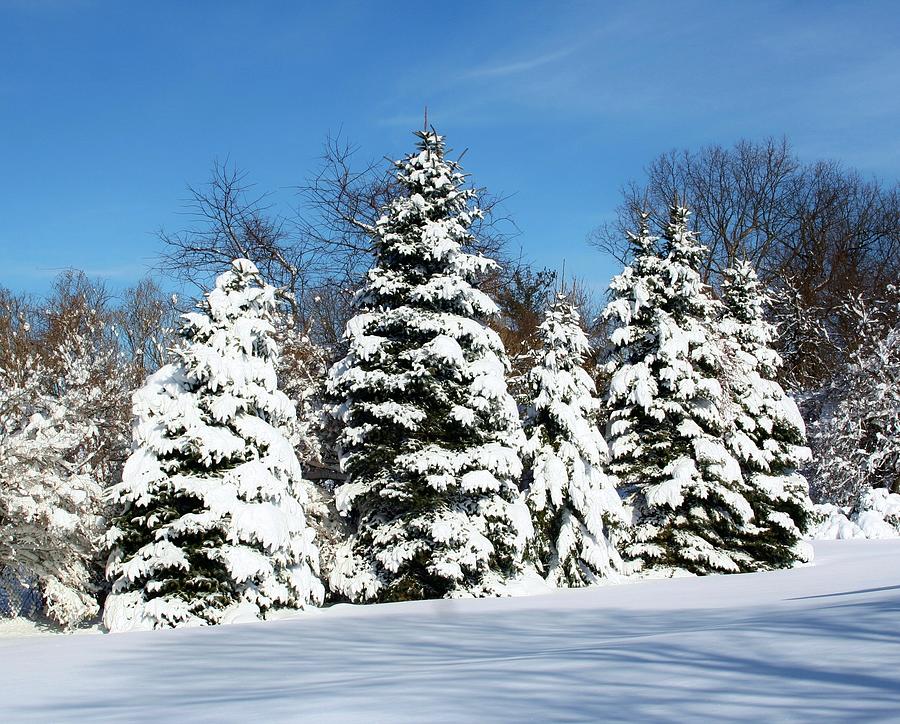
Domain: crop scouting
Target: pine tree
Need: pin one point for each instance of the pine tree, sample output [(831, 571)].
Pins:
[(575, 506), (768, 436), (210, 523), (430, 433), (667, 428)]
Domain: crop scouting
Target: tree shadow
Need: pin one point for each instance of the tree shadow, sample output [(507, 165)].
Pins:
[(786, 662), (845, 593)]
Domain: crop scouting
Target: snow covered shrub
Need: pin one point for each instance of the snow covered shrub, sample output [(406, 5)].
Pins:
[(668, 412), (875, 514), (575, 506), (857, 443), (430, 434), (767, 435), (210, 525), (877, 506), (302, 369), (61, 431), (49, 500), (832, 522)]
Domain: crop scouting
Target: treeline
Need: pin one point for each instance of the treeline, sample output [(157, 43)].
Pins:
[(373, 408), (821, 237)]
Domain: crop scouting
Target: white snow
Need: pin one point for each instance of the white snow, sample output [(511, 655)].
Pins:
[(876, 514), (817, 643)]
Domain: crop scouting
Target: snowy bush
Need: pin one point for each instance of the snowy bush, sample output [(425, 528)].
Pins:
[(430, 433), (875, 514), (210, 525), (857, 441), (576, 508), (61, 430)]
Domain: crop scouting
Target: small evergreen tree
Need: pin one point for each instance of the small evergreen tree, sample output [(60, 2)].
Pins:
[(430, 434), (768, 435), (574, 503), (667, 428), (210, 523)]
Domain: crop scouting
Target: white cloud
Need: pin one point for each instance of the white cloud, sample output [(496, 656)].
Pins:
[(520, 66)]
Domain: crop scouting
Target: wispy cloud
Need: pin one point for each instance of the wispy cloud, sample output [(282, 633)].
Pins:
[(599, 65), (519, 66), (555, 70)]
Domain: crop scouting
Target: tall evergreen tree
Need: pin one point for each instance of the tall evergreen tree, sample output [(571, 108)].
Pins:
[(210, 523), (667, 428), (576, 508), (768, 436), (430, 434)]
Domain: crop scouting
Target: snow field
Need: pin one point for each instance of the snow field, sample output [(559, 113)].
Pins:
[(812, 643)]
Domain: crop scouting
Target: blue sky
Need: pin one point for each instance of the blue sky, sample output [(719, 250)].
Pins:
[(108, 109)]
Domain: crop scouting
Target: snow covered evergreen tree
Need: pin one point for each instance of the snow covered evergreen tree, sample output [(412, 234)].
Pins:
[(210, 525), (575, 506), (431, 435), (667, 428), (768, 435)]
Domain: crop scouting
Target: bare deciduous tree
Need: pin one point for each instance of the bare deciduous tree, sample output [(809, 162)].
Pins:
[(146, 319)]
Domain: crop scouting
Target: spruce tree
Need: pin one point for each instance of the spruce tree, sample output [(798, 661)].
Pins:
[(430, 434), (667, 427), (575, 506), (768, 436), (210, 524)]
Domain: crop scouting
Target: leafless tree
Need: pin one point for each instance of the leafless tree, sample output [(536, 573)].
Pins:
[(146, 320), (68, 342), (230, 221)]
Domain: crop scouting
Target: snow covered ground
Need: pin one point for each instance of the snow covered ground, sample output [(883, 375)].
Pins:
[(818, 643)]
